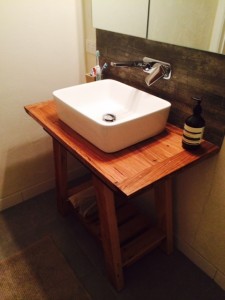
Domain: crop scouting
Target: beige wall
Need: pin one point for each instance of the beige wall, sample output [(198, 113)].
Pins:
[(38, 54)]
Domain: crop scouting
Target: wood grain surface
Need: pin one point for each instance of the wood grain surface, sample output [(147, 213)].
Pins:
[(130, 170)]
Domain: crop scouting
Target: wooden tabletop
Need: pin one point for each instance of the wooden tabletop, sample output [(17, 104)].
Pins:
[(130, 170)]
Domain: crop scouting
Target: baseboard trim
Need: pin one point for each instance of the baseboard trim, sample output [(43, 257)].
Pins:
[(196, 258), (10, 201), (201, 262), (220, 279), (32, 191)]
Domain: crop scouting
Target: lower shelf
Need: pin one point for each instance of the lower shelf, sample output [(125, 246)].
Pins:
[(141, 245), (136, 233)]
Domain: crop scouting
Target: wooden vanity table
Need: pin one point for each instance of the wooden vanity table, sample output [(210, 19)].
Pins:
[(116, 178)]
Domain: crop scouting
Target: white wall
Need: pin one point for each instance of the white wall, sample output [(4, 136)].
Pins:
[(41, 49)]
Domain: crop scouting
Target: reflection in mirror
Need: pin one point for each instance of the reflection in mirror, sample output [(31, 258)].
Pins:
[(194, 24), (125, 16)]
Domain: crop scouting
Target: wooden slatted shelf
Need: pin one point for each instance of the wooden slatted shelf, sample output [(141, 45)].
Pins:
[(136, 233)]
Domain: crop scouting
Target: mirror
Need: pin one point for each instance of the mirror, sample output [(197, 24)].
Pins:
[(194, 24), (116, 16), (189, 23)]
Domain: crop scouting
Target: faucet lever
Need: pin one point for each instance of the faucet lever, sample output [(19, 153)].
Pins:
[(154, 64), (155, 73)]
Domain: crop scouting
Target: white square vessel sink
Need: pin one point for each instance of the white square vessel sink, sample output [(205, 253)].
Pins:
[(111, 115)]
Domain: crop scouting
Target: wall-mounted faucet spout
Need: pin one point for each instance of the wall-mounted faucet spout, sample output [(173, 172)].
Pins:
[(155, 68), (134, 64)]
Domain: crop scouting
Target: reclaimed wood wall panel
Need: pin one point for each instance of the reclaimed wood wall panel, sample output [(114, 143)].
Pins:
[(195, 73)]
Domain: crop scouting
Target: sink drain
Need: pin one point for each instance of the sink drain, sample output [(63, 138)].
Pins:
[(109, 117)]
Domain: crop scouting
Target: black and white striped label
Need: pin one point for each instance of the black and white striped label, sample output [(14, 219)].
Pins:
[(192, 136)]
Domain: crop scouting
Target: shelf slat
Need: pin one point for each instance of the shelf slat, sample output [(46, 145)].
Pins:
[(134, 226), (141, 245)]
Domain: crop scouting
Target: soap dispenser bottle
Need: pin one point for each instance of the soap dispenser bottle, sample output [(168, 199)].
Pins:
[(194, 127)]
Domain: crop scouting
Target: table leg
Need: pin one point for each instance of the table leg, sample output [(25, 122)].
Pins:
[(164, 211), (60, 158), (109, 233)]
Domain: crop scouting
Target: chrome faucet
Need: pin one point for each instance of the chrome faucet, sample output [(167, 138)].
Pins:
[(156, 69)]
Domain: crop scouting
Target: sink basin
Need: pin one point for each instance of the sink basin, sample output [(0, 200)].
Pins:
[(111, 115)]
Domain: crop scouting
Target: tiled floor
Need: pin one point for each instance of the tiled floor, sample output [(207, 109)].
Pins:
[(155, 277)]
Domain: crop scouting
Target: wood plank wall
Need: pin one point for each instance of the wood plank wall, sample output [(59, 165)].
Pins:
[(195, 73)]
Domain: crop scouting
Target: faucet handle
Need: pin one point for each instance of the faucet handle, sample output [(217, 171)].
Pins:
[(158, 71), (153, 64)]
